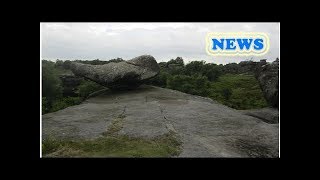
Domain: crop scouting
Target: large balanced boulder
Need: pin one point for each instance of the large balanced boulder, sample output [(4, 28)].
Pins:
[(119, 75), (268, 78)]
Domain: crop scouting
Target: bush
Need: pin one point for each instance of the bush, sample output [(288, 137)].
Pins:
[(51, 83), (210, 70), (238, 91), (52, 96), (58, 105), (180, 82), (160, 80), (66, 64), (226, 92), (65, 102), (194, 67), (45, 105), (59, 63), (72, 100), (88, 87), (197, 85)]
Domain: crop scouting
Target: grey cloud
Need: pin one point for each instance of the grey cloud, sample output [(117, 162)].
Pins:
[(162, 40)]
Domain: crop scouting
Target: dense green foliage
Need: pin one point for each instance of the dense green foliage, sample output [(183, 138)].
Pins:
[(210, 70), (88, 87), (52, 87), (51, 84), (65, 102), (239, 91), (195, 84)]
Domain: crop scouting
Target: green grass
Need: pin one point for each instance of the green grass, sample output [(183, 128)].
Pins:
[(243, 91), (59, 104), (115, 127), (65, 102), (114, 145)]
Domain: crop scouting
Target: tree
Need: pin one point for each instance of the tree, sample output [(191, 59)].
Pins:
[(160, 80), (59, 63), (194, 67), (87, 87), (212, 71), (66, 64), (227, 92), (196, 84), (178, 61), (51, 83)]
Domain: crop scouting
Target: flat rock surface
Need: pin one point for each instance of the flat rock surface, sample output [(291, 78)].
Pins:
[(269, 115), (206, 128)]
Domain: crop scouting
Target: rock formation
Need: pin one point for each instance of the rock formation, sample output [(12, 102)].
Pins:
[(268, 78), (268, 115), (119, 75), (266, 73), (206, 128)]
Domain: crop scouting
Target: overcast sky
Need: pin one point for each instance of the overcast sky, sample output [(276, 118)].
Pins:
[(164, 41)]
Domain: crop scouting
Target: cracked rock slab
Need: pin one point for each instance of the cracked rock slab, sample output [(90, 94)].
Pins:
[(205, 127)]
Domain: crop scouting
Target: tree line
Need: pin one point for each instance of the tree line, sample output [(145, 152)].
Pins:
[(222, 83)]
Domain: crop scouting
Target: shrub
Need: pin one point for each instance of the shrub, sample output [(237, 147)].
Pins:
[(66, 64), (197, 85), (65, 102), (88, 87), (59, 63), (226, 92), (73, 100), (58, 105), (238, 91), (45, 105), (194, 67), (210, 70), (160, 80), (51, 84)]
